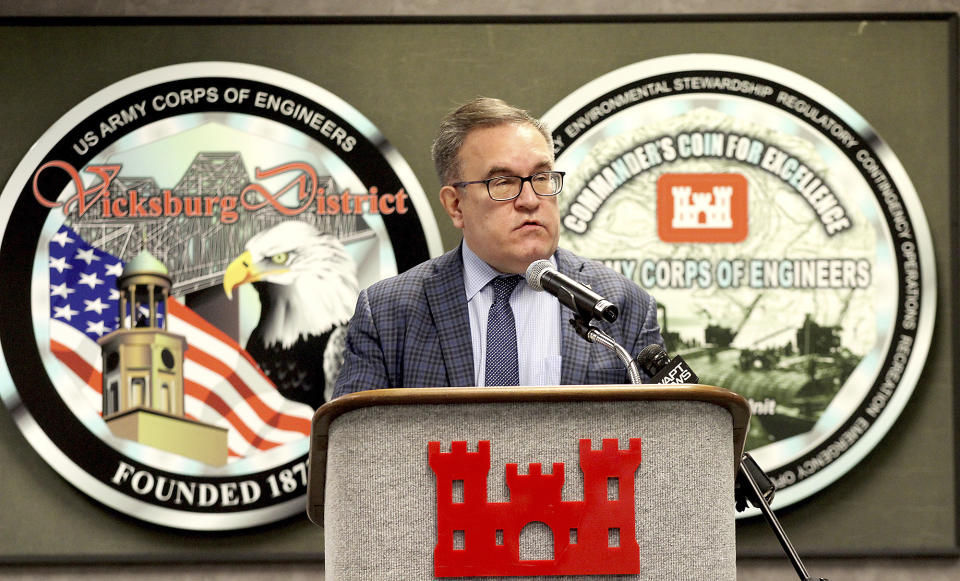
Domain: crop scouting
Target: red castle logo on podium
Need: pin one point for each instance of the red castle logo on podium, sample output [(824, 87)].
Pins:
[(593, 536)]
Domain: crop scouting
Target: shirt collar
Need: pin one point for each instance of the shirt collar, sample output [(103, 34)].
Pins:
[(477, 273)]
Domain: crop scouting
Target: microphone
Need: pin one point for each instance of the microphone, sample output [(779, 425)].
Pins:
[(542, 276), (655, 362)]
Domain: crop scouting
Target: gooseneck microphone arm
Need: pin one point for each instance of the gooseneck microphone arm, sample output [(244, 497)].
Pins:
[(595, 335)]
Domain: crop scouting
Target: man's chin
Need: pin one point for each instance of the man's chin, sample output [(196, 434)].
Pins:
[(520, 255), (530, 258)]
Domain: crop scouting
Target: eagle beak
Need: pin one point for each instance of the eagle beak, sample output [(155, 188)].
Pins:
[(240, 271)]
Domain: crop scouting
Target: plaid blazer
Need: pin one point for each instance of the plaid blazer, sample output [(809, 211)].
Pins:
[(413, 330)]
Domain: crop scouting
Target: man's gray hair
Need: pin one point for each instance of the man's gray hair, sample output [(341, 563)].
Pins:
[(477, 113)]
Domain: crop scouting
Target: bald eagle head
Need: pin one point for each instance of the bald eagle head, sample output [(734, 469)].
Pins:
[(306, 280)]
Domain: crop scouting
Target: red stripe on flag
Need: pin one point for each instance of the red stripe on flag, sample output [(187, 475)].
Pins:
[(190, 317), (213, 400), (269, 416), (78, 365)]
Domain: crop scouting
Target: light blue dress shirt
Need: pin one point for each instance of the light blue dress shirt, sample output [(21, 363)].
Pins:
[(537, 315)]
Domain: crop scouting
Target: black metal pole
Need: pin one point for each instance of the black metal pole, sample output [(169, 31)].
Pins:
[(758, 500)]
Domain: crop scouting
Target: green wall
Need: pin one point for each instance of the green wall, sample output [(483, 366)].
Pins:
[(898, 74)]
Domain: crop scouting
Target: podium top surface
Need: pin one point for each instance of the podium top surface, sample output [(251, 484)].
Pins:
[(736, 405)]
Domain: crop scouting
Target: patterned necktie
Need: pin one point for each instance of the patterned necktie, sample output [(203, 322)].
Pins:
[(501, 367)]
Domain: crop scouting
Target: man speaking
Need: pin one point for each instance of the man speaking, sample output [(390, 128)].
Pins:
[(467, 318)]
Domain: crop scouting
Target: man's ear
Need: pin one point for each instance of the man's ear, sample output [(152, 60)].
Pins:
[(450, 198)]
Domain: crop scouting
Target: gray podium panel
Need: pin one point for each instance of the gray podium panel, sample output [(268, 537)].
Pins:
[(380, 493)]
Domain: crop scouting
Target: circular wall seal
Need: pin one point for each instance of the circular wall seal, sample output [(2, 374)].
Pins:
[(785, 244), (183, 250)]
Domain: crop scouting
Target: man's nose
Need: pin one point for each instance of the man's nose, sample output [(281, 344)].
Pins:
[(527, 197)]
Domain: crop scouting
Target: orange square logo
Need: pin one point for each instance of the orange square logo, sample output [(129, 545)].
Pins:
[(702, 208)]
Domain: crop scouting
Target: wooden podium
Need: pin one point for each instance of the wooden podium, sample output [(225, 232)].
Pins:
[(573, 482)]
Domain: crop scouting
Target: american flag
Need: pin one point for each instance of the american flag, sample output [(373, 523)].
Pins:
[(223, 385)]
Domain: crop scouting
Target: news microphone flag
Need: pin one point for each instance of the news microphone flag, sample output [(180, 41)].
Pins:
[(655, 362), (223, 385)]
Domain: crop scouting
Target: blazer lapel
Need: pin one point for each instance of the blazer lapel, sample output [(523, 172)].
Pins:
[(448, 307)]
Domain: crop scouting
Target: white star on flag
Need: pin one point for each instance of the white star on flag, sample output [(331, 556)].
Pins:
[(90, 279), (59, 263), (96, 305), (86, 256), (64, 312), (62, 238), (97, 327), (60, 290)]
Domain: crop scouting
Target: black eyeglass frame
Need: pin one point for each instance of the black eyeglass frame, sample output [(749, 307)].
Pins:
[(529, 178)]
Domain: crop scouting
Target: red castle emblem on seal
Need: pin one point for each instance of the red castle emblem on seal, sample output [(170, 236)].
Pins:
[(593, 536)]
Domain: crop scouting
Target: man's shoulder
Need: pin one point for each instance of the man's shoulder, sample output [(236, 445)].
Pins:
[(595, 273), (414, 279), (573, 263)]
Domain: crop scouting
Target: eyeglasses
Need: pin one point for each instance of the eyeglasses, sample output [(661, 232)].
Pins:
[(506, 188)]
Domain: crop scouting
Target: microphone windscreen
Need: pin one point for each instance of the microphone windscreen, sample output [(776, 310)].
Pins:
[(652, 359), (535, 273)]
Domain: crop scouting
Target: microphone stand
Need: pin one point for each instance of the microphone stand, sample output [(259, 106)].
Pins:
[(747, 479), (748, 487)]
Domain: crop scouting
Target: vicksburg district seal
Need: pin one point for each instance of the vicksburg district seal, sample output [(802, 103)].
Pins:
[(182, 251)]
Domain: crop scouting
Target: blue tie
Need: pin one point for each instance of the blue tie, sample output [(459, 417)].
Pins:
[(501, 367)]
